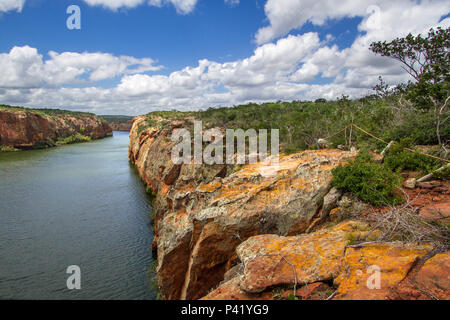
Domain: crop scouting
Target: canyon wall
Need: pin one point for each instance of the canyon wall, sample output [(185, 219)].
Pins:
[(121, 126), (202, 213), (26, 129), (252, 232)]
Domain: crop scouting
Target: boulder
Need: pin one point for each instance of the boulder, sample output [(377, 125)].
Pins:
[(436, 211), (361, 266), (272, 260), (366, 271), (430, 282)]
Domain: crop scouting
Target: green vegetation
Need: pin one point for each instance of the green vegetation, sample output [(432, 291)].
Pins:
[(8, 149), (116, 119), (371, 182), (398, 159), (48, 112), (301, 123), (75, 138), (150, 122), (427, 60)]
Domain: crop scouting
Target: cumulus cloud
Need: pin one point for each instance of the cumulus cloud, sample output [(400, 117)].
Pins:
[(286, 15), (182, 6), (283, 69), (115, 4), (8, 5), (24, 67)]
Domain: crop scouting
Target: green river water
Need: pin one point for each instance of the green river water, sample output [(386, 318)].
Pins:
[(83, 205)]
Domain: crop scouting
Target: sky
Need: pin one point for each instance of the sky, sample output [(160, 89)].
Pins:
[(132, 57)]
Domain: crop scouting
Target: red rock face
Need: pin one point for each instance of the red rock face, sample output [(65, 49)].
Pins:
[(123, 126), (23, 130), (202, 213)]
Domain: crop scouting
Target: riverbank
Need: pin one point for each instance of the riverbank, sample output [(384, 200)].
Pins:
[(25, 129)]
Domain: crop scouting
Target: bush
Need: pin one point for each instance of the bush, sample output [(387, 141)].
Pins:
[(75, 138), (371, 182), (7, 149), (398, 159)]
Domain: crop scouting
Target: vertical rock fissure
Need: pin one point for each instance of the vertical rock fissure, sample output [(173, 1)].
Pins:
[(194, 252)]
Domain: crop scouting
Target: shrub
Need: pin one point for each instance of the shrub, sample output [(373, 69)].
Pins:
[(7, 149), (398, 159), (75, 138), (371, 182)]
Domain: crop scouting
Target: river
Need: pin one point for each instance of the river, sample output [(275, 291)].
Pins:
[(82, 205)]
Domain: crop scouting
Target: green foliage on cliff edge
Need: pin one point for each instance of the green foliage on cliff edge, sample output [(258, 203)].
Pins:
[(301, 123), (48, 112), (116, 119)]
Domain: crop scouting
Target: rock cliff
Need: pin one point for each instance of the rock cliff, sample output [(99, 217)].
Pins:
[(26, 129), (202, 213), (243, 232), (324, 264), (121, 126)]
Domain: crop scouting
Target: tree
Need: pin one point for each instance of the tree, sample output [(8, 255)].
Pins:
[(427, 60)]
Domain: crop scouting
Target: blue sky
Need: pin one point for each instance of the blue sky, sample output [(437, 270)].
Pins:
[(135, 56), (214, 30)]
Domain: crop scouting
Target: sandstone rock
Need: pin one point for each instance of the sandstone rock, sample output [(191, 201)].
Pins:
[(348, 207), (393, 261), (312, 291), (436, 211), (121, 126), (270, 260), (430, 282), (230, 290), (410, 183), (25, 129), (207, 211), (434, 276), (330, 201)]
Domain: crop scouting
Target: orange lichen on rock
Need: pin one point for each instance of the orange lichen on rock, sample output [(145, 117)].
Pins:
[(209, 210), (393, 261), (430, 281), (270, 260)]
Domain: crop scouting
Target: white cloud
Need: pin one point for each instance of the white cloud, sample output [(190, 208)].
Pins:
[(286, 15), (115, 4), (232, 3), (182, 6), (8, 5), (24, 67), (280, 70)]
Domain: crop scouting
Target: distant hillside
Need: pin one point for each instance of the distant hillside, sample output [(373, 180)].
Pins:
[(119, 123), (23, 128)]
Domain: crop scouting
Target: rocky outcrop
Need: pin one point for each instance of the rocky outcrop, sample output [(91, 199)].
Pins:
[(202, 213), (25, 129), (121, 126), (325, 265)]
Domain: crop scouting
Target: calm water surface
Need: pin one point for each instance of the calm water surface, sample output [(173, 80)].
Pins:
[(78, 205)]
